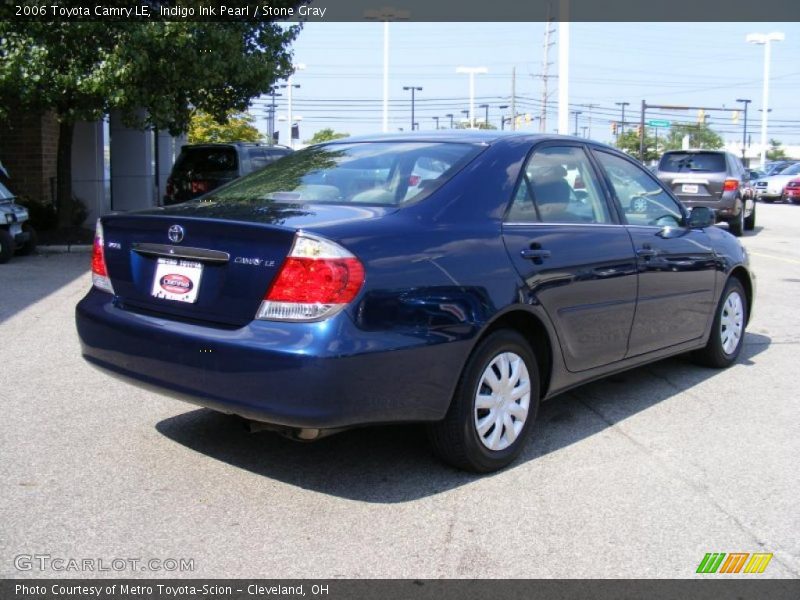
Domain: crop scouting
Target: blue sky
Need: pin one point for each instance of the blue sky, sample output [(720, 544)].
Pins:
[(698, 64)]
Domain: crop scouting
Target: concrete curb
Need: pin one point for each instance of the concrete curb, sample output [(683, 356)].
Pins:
[(64, 249)]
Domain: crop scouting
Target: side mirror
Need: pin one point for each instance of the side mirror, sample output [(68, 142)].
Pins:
[(701, 217)]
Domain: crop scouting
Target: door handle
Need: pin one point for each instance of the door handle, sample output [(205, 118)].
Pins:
[(646, 252), (535, 254)]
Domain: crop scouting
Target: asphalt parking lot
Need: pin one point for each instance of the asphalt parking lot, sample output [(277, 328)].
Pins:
[(639, 475)]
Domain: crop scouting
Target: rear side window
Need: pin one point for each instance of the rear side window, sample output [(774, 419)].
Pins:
[(689, 162), (261, 157), (367, 173), (559, 186), (207, 161)]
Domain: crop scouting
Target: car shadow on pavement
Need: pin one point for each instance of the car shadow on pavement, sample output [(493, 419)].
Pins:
[(392, 464)]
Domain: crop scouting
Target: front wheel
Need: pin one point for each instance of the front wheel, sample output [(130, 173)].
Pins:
[(494, 406), (727, 332)]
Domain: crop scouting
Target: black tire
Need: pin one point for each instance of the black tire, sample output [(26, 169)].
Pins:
[(28, 247), (714, 354), (750, 222), (6, 246), (737, 225), (455, 439)]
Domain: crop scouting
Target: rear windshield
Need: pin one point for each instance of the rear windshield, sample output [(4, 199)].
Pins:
[(206, 161), (685, 162), (359, 173)]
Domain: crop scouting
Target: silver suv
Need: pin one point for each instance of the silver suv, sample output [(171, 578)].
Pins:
[(712, 178)]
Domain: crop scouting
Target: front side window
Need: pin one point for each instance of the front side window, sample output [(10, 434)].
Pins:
[(558, 185), (366, 173), (643, 200)]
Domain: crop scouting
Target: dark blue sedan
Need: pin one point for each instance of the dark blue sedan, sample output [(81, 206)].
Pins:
[(455, 279)]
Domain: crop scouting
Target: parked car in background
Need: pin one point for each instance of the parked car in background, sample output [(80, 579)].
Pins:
[(16, 233), (791, 192), (776, 166), (712, 178), (318, 294), (772, 188), (201, 168)]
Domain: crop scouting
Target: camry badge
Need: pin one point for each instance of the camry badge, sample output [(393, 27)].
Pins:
[(175, 234)]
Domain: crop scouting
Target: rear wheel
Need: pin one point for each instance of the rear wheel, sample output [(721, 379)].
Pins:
[(737, 224), (6, 246), (750, 222), (727, 332), (494, 407)]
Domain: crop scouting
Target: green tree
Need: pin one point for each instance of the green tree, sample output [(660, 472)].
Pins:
[(83, 70), (237, 127), (701, 136), (775, 152), (326, 135), (628, 142)]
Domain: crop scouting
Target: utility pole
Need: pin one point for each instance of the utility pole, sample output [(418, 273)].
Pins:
[(548, 31), (563, 69), (272, 109), (576, 113), (622, 123), (590, 107), (502, 108), (513, 98), (745, 101)]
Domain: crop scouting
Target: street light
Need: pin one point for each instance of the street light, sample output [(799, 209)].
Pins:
[(437, 122), (386, 14), (622, 123), (765, 39), (502, 108), (472, 71), (450, 116), (413, 90), (466, 112), (289, 87), (576, 113), (745, 101), (486, 114)]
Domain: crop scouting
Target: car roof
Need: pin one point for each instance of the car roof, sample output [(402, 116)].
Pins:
[(237, 144), (463, 136)]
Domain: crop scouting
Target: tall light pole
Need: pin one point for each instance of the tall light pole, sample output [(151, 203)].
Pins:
[(274, 95), (450, 116), (472, 71), (289, 86), (765, 39), (386, 14), (576, 113), (413, 90), (744, 101), (437, 122), (622, 123)]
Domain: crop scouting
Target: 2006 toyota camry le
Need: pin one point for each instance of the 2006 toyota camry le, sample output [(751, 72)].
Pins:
[(451, 278)]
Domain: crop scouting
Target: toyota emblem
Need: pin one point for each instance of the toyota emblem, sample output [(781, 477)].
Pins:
[(175, 234)]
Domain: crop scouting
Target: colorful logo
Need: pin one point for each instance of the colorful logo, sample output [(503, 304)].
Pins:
[(176, 284), (736, 562)]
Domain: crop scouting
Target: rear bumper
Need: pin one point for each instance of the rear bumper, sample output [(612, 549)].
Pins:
[(724, 209), (315, 375)]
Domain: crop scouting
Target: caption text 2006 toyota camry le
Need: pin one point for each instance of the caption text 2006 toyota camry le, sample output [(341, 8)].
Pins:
[(455, 279)]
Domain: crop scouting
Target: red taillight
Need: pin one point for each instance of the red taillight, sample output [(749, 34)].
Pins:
[(730, 185), (413, 180), (200, 187), (318, 279), (100, 278), (170, 189)]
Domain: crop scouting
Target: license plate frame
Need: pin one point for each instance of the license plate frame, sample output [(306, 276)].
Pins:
[(689, 188), (177, 280)]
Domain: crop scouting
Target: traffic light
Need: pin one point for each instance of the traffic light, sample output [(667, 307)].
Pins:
[(295, 131), (614, 127)]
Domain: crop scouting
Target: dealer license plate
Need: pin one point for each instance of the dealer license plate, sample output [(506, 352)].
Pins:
[(689, 188), (177, 279)]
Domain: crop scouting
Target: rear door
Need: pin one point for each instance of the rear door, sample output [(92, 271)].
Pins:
[(677, 266), (573, 255)]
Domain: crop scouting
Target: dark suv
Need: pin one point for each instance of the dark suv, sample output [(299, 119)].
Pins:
[(712, 178), (201, 168)]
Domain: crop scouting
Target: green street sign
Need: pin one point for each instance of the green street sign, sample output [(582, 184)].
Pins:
[(658, 123)]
